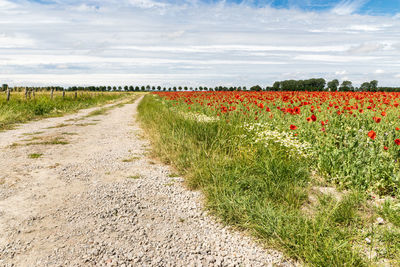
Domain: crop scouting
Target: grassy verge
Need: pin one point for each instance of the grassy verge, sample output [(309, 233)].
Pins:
[(19, 110), (269, 193)]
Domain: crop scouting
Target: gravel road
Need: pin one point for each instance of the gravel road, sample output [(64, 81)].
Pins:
[(80, 191)]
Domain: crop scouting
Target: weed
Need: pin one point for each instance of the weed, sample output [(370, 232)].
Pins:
[(130, 159), (68, 133), (34, 133), (61, 125), (137, 176), (35, 155), (97, 112)]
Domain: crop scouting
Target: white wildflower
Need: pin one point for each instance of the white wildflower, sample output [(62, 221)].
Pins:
[(263, 135)]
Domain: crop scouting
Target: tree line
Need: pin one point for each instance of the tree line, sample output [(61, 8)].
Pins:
[(314, 84), (320, 84)]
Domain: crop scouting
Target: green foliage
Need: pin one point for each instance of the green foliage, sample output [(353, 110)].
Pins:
[(300, 85), (257, 188), (19, 109), (35, 155)]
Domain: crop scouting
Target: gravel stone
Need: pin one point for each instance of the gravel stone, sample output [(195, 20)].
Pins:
[(77, 206)]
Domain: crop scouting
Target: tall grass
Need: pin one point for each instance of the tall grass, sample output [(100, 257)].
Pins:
[(19, 110), (264, 190)]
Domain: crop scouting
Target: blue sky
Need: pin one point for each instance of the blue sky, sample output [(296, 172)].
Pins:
[(194, 42), (375, 7)]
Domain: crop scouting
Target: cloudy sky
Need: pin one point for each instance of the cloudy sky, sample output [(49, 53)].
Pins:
[(198, 43)]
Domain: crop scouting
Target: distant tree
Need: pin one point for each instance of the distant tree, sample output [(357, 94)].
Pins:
[(365, 87), (255, 88), (276, 86), (333, 85), (374, 85), (346, 86)]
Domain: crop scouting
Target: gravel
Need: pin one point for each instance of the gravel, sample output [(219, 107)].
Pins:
[(84, 204)]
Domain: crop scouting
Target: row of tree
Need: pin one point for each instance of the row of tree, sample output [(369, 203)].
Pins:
[(315, 84), (320, 84)]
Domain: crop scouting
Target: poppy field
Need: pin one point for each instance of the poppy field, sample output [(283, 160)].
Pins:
[(352, 139), (315, 174)]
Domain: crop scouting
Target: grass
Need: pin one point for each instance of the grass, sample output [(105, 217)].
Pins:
[(19, 110), (105, 110), (97, 112), (35, 155), (130, 159), (42, 141), (34, 133), (68, 133), (136, 176), (61, 125), (264, 191), (85, 124)]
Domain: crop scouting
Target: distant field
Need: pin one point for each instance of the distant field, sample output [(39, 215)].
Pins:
[(19, 109), (316, 174)]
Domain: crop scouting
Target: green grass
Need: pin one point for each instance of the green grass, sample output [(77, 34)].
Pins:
[(35, 155), (42, 141), (130, 159), (265, 191), (19, 110), (97, 112)]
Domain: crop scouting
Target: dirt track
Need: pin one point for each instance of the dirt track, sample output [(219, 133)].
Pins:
[(94, 198)]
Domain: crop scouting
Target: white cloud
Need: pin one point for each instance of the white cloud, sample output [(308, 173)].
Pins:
[(10, 41), (347, 7), (341, 72), (191, 43), (7, 5)]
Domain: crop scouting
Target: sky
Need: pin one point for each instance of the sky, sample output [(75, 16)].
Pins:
[(198, 43)]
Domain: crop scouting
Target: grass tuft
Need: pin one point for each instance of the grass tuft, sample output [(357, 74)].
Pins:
[(35, 155)]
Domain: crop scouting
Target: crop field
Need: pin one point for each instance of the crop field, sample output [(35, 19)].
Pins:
[(316, 174), (21, 108)]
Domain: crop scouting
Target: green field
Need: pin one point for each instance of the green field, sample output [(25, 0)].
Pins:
[(269, 194), (19, 109)]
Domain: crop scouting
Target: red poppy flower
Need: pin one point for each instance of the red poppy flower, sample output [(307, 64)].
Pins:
[(293, 127), (397, 128), (377, 119), (308, 119), (385, 147), (383, 113), (397, 141), (313, 117), (372, 135)]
